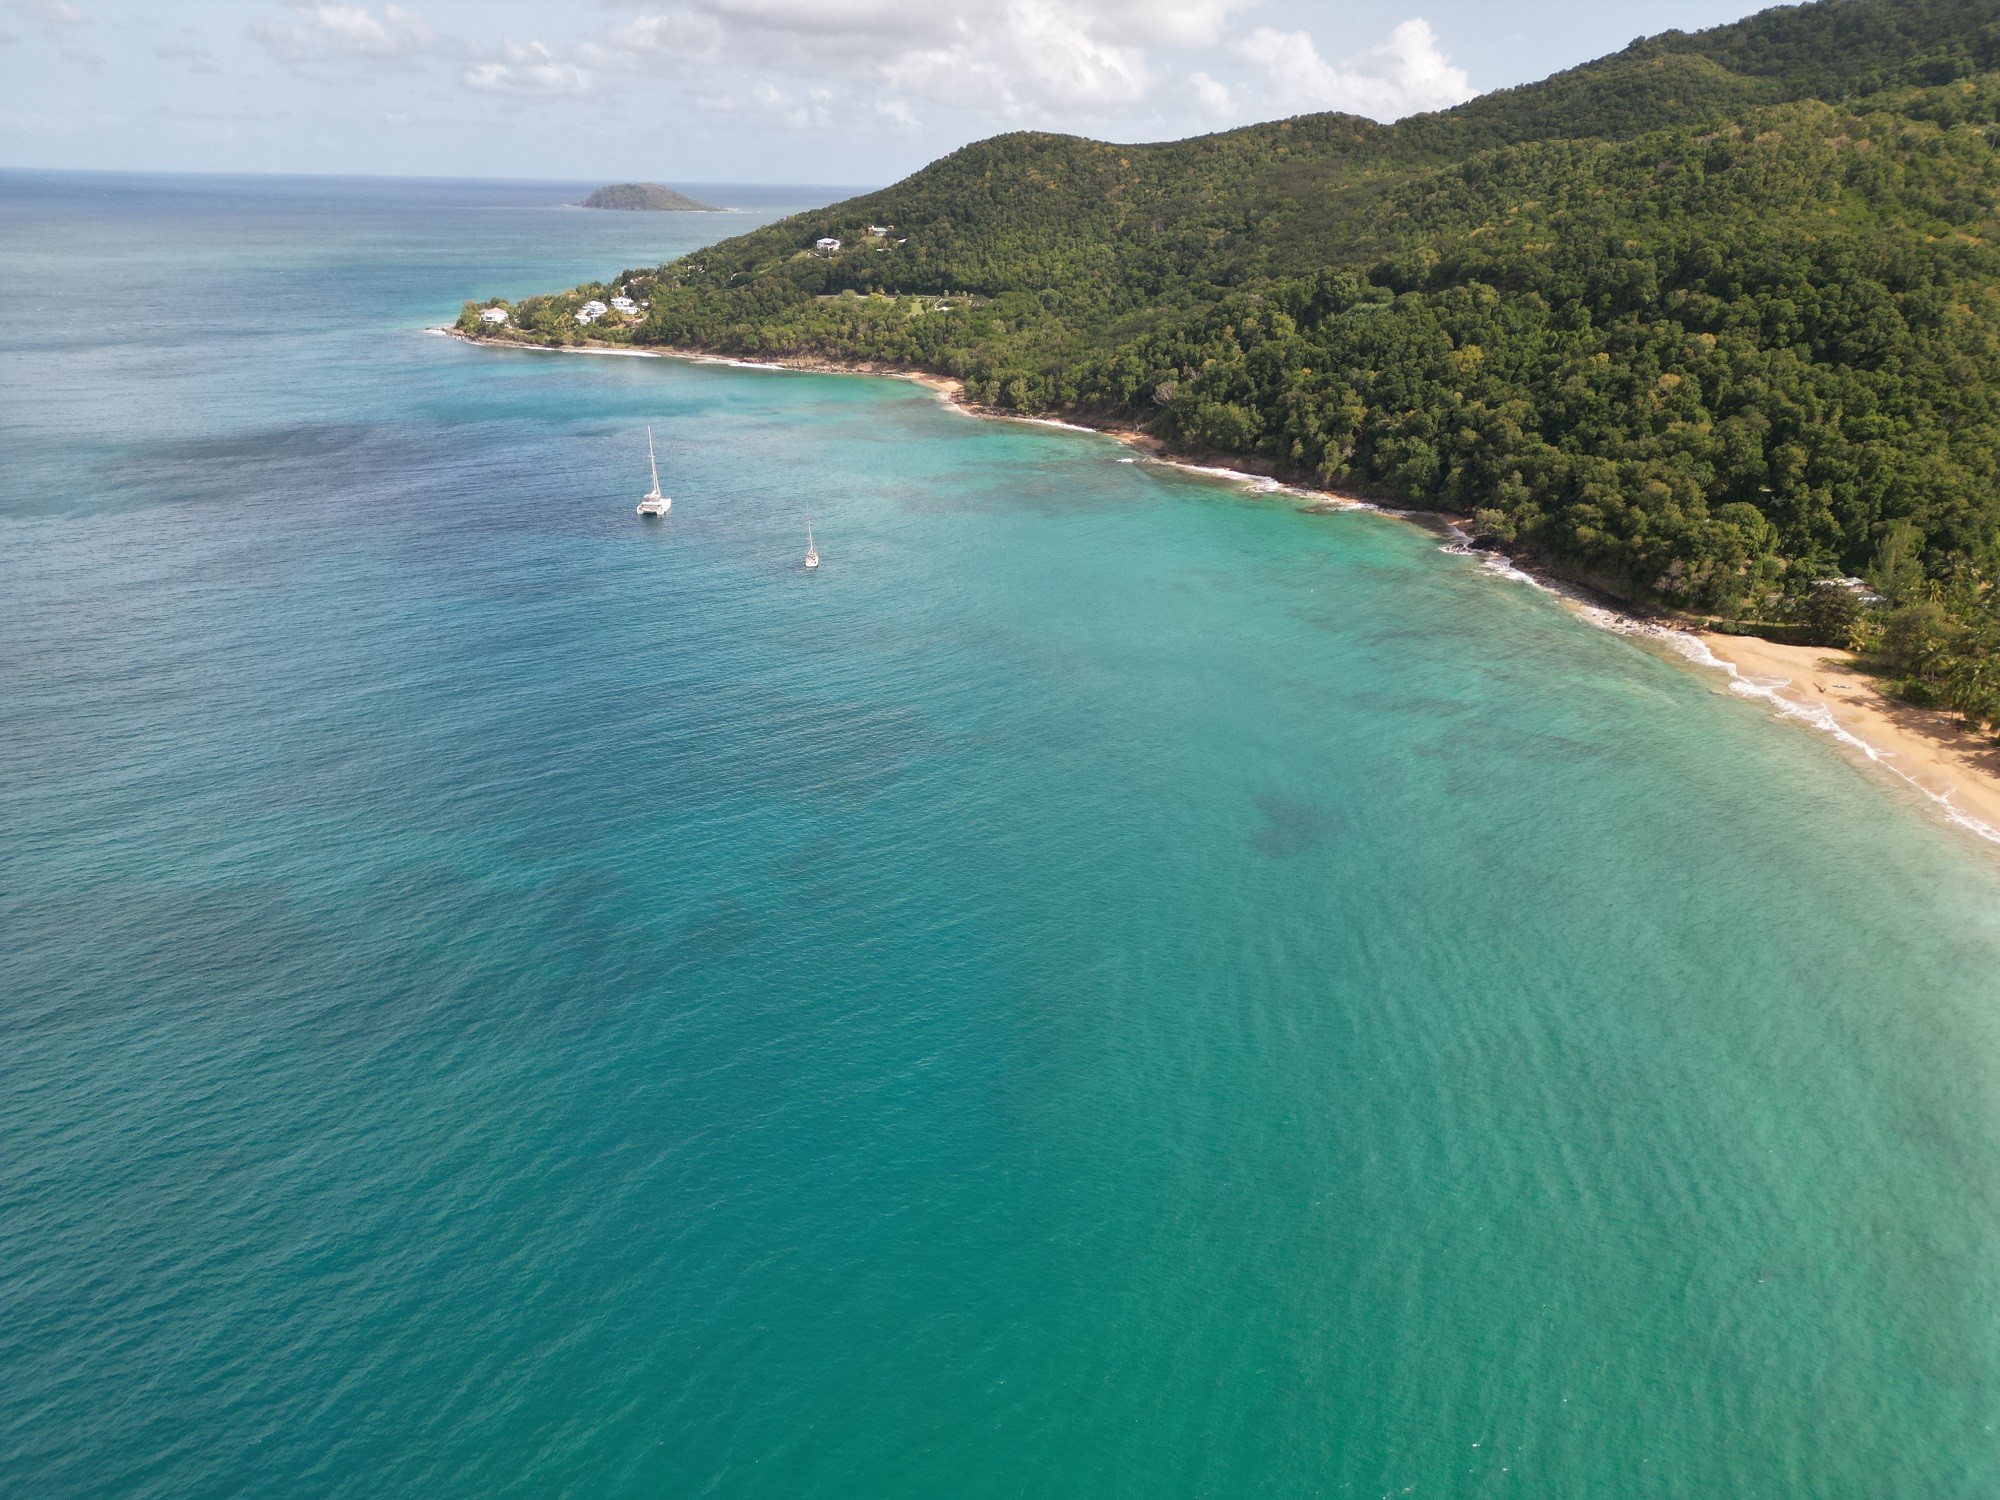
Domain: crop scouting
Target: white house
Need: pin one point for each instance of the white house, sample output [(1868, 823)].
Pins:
[(878, 230), (591, 311), (828, 243), (624, 304), (493, 315), (1858, 587)]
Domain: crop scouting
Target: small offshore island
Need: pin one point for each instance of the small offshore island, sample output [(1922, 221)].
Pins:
[(645, 197), (1710, 326)]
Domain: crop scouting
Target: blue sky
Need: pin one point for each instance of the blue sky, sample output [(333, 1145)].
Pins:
[(794, 91)]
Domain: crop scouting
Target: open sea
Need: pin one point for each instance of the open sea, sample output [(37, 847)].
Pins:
[(1115, 986)]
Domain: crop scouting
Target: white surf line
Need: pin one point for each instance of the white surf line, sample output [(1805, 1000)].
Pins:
[(1256, 484), (1695, 650), (615, 353), (466, 338), (1261, 484), (1055, 422), (1815, 716)]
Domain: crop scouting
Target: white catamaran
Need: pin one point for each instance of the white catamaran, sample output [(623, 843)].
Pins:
[(812, 552), (655, 504)]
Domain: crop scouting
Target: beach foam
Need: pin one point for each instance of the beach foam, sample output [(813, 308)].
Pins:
[(1768, 690)]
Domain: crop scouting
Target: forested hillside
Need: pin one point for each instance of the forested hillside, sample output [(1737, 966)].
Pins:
[(1711, 322)]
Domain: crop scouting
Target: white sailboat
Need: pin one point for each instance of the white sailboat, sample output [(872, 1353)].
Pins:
[(655, 504), (812, 552)]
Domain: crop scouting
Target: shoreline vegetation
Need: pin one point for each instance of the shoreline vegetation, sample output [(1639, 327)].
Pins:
[(1710, 327), (1822, 689)]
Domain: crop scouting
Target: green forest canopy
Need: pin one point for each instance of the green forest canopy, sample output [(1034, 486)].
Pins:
[(1708, 322)]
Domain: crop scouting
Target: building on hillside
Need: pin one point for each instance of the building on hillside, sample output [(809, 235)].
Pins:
[(827, 243), (591, 311), (624, 304), (1858, 587), (493, 315)]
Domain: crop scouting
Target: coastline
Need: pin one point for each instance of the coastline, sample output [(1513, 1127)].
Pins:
[(1823, 689), (951, 391), (1818, 687)]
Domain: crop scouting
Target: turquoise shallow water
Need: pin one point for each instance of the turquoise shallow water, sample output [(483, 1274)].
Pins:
[(1113, 987)]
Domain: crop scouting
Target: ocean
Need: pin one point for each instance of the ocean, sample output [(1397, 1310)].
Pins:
[(1113, 986)]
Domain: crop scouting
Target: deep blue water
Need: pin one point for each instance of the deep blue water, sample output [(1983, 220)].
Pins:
[(1113, 986)]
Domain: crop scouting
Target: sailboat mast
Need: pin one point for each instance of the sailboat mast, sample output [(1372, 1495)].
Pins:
[(651, 462)]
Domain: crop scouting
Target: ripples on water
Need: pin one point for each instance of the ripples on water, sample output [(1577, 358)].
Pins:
[(1111, 987)]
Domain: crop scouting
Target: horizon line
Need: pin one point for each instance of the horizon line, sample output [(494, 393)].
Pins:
[(6, 169)]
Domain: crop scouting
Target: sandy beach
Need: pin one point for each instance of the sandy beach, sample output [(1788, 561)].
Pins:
[(1823, 690)]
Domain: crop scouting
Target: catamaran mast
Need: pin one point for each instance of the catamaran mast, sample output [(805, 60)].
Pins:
[(651, 461)]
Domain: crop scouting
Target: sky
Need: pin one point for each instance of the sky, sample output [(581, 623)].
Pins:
[(851, 92)]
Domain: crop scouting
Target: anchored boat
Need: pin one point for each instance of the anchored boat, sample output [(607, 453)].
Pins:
[(655, 504)]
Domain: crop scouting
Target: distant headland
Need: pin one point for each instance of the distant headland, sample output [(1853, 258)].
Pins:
[(647, 197)]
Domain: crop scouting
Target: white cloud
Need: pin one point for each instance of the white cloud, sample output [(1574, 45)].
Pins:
[(61, 25), (798, 114), (328, 32), (1211, 96), (531, 69), (1405, 75), (655, 41), (197, 59), (1168, 23), (924, 23), (940, 71), (1038, 54), (1010, 58)]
